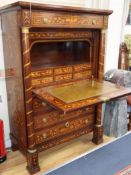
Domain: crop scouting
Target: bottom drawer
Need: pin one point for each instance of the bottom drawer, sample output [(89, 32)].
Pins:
[(64, 128), (63, 139)]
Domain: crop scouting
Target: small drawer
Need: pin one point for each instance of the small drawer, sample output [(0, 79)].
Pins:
[(42, 73), (82, 67), (63, 77), (84, 74), (64, 128), (54, 117), (63, 70), (50, 19), (42, 81)]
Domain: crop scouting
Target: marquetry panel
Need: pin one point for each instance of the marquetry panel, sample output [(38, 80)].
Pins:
[(85, 74), (64, 128), (63, 70), (45, 72), (63, 77), (53, 117), (65, 138), (53, 75), (42, 81), (82, 67), (50, 19)]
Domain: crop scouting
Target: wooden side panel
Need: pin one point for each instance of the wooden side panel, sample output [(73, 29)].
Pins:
[(14, 84)]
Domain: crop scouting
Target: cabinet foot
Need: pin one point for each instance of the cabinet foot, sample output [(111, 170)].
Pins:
[(14, 147), (32, 162), (98, 134)]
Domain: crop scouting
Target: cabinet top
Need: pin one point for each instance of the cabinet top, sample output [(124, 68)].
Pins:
[(49, 7)]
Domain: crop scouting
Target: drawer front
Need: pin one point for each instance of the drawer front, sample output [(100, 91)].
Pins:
[(42, 81), (40, 107), (82, 67), (50, 19), (53, 117), (84, 74), (63, 77), (43, 73), (63, 70), (64, 128), (63, 139)]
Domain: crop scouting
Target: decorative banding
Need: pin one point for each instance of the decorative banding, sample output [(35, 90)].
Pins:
[(31, 146), (29, 112), (28, 101), (28, 89), (28, 76), (26, 51), (28, 125), (29, 136), (27, 64)]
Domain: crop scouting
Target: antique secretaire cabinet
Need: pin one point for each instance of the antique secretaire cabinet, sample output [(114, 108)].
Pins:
[(54, 59)]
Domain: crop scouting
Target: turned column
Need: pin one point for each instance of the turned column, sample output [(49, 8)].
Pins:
[(32, 155), (98, 128)]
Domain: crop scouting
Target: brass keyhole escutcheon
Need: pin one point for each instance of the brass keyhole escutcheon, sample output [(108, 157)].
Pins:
[(43, 104), (67, 124), (93, 21), (44, 135), (44, 120), (45, 20), (86, 109)]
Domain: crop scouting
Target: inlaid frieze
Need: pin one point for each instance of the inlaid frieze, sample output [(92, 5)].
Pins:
[(59, 35), (49, 19)]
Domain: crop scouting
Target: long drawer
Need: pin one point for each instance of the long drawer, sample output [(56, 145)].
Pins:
[(54, 117), (64, 128)]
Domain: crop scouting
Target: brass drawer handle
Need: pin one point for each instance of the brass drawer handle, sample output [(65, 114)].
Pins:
[(67, 124), (93, 21), (44, 120), (86, 109), (45, 20), (44, 135), (44, 104), (86, 121)]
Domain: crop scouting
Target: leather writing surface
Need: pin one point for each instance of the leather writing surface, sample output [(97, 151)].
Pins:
[(75, 95)]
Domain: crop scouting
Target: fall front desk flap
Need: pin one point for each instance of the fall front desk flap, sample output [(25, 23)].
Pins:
[(74, 95)]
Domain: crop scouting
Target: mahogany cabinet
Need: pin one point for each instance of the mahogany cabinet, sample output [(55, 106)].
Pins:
[(49, 51)]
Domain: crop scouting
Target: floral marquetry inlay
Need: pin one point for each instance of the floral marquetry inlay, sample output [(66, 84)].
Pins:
[(67, 20), (59, 35)]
